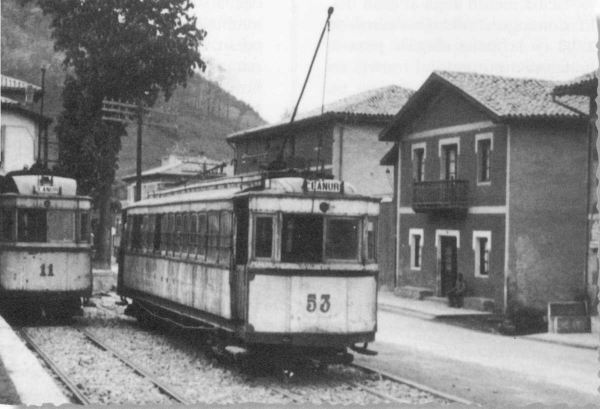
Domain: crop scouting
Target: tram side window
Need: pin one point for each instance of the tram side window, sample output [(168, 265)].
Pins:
[(341, 241), (7, 224), (128, 227), (225, 238), (178, 233), (156, 242), (31, 225), (84, 227), (213, 237), (302, 239), (372, 238), (144, 234), (202, 230), (61, 225), (263, 242), (185, 237), (136, 233), (170, 230), (164, 234), (192, 238)]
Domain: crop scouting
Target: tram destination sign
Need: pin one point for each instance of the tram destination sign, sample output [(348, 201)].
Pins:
[(324, 186), (48, 189)]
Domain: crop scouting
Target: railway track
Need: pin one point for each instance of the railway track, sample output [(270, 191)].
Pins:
[(77, 389), (385, 375), (136, 367), (62, 376), (107, 329), (369, 389)]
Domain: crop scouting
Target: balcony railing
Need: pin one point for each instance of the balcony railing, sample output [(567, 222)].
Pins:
[(440, 195)]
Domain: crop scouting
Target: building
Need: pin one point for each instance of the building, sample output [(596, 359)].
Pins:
[(491, 179), (587, 85), (342, 142), (174, 169), (20, 125)]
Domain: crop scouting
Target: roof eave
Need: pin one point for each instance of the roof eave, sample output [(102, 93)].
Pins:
[(309, 121), (388, 133), (26, 112)]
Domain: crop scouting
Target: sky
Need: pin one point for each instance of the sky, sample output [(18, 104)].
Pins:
[(260, 50)]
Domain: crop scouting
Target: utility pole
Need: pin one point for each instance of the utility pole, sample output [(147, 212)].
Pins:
[(134, 113)]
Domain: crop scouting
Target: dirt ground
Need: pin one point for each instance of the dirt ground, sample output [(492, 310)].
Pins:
[(492, 370)]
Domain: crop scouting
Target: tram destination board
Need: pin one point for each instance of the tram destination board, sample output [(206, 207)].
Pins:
[(323, 185)]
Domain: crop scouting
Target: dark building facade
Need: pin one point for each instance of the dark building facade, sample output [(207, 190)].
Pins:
[(587, 85), (491, 183)]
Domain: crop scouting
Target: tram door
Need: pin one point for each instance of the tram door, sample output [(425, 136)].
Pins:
[(448, 266), (238, 281)]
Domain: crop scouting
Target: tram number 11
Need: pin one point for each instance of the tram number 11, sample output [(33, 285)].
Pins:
[(311, 303)]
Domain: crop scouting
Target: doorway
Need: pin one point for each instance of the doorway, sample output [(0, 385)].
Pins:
[(448, 267)]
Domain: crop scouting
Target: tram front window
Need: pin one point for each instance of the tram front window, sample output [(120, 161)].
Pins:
[(61, 226), (31, 225), (342, 239), (302, 238), (7, 224)]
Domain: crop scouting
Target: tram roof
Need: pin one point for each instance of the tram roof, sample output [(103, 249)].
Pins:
[(39, 184), (228, 188)]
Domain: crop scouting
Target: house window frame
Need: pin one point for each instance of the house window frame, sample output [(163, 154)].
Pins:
[(478, 138), (412, 233), (442, 143), (477, 235), (414, 148)]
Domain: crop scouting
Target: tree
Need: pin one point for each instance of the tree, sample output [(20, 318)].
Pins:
[(130, 50)]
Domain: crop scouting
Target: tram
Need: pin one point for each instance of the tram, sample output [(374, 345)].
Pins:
[(45, 252), (278, 263)]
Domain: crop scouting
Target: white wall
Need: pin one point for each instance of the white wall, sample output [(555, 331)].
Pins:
[(360, 158), (18, 142)]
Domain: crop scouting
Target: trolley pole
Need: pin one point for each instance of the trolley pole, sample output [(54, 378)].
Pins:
[(41, 125), (138, 159)]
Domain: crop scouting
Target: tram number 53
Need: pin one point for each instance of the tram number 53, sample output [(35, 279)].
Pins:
[(323, 303)]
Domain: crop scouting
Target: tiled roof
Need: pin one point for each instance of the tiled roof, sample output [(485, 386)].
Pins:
[(584, 84), (515, 97), (13, 83), (503, 98), (378, 104), (379, 101)]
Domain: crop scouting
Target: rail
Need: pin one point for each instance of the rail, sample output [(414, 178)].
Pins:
[(398, 379), (137, 368), (64, 378)]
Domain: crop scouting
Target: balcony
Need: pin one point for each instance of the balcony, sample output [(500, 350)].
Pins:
[(441, 195)]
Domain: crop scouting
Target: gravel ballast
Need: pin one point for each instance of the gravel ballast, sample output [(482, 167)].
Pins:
[(182, 361)]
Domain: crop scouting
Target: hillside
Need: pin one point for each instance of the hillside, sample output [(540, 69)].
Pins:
[(204, 112)]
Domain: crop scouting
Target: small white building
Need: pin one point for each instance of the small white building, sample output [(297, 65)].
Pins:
[(175, 169), (20, 125)]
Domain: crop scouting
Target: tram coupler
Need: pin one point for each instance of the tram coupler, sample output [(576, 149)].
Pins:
[(364, 350)]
